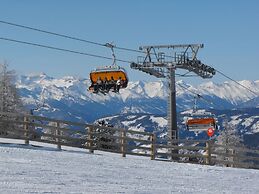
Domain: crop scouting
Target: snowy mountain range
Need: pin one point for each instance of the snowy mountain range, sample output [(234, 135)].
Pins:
[(68, 97), (142, 105)]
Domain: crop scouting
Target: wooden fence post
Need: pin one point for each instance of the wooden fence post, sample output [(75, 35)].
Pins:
[(90, 139), (208, 152), (58, 134), (26, 130), (231, 159), (153, 147), (123, 143)]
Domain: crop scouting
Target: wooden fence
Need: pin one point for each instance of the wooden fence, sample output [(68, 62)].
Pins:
[(234, 156), (66, 133), (95, 137)]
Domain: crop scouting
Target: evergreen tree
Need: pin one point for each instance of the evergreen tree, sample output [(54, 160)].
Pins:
[(231, 142), (9, 98), (229, 136)]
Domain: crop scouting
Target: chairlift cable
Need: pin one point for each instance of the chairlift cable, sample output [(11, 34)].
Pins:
[(62, 49), (67, 36), (73, 37)]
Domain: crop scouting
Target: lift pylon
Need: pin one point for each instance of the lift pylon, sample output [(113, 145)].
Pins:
[(162, 61)]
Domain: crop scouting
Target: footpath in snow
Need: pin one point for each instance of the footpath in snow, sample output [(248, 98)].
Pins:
[(30, 169)]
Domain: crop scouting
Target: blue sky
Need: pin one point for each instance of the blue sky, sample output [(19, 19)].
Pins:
[(228, 29)]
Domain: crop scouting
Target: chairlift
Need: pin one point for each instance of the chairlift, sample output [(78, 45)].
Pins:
[(104, 79), (201, 121)]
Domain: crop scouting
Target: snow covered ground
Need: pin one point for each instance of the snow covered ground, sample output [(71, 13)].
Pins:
[(30, 169)]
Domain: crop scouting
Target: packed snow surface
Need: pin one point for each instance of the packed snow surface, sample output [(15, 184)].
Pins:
[(30, 169)]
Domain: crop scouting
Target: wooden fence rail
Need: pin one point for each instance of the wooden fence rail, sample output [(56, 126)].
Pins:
[(95, 137)]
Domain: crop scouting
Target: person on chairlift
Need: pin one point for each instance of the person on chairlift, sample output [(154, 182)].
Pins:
[(112, 84), (105, 84), (118, 84), (99, 84)]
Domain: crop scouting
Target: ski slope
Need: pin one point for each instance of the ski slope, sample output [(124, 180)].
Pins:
[(30, 169)]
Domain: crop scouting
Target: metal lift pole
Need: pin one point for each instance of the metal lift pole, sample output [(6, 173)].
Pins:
[(172, 117)]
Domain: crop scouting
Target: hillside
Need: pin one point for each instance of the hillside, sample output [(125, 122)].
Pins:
[(245, 121), (30, 169)]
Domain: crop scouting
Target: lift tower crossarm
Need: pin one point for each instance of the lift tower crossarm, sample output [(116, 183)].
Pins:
[(184, 56), (172, 46)]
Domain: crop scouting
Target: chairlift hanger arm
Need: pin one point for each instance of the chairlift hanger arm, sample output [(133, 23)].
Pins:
[(112, 46)]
